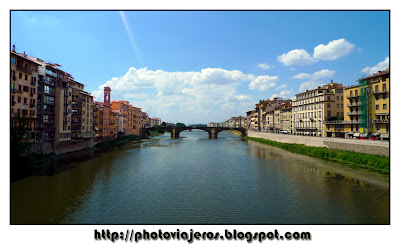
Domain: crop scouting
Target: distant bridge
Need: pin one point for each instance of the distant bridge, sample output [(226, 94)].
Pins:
[(212, 131)]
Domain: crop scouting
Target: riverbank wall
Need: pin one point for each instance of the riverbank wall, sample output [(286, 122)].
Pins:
[(355, 145)]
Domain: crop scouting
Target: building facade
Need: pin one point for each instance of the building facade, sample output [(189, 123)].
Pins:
[(312, 108)]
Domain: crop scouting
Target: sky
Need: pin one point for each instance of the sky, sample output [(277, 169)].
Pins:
[(205, 66)]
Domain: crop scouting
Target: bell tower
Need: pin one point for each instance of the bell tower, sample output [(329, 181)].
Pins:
[(107, 95)]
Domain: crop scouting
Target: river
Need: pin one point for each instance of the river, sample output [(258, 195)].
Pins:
[(196, 180)]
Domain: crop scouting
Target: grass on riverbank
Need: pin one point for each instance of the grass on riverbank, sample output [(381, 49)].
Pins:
[(375, 162), (118, 141)]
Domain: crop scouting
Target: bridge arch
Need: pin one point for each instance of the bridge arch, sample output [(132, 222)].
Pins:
[(212, 131)]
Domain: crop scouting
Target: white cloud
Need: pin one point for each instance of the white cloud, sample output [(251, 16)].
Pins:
[(313, 80), (298, 57), (310, 85), (302, 76), (317, 75), (33, 20), (292, 69), (283, 86), (379, 67), (333, 50), (283, 94), (198, 96), (265, 66), (263, 82)]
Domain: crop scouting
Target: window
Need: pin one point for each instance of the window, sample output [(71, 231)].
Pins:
[(329, 105), (337, 105), (26, 89), (25, 100), (351, 93), (337, 97), (377, 107), (383, 87), (26, 77), (13, 60), (329, 98), (45, 118), (384, 106), (19, 88), (20, 75), (337, 114), (378, 127), (329, 113), (19, 99), (342, 98), (342, 105), (384, 96), (376, 88)]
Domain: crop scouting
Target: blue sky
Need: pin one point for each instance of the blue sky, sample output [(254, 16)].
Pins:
[(204, 66)]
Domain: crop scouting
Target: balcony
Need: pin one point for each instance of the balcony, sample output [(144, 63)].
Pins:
[(24, 69), (380, 121), (351, 96), (355, 113), (353, 104), (75, 114), (76, 122), (306, 127), (377, 92), (48, 111)]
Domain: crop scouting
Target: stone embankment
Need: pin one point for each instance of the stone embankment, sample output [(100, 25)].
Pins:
[(356, 145)]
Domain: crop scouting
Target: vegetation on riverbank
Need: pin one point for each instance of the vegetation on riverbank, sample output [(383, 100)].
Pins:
[(375, 162), (235, 132), (118, 141)]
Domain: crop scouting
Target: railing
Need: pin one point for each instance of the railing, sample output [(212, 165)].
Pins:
[(306, 127), (24, 69), (354, 113), (379, 92), (352, 96), (342, 122), (380, 121), (353, 104)]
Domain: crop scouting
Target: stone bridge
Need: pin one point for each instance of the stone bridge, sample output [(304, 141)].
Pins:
[(212, 131)]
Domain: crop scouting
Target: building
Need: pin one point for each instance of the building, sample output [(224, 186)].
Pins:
[(366, 113), (286, 119), (312, 108), (155, 121), (24, 78), (144, 120)]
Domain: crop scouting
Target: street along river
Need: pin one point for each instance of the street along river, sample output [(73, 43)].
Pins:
[(196, 180)]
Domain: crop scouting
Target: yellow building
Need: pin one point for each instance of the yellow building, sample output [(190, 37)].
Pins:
[(366, 113), (311, 109), (24, 77)]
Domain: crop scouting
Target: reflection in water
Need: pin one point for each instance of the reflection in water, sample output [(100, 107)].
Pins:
[(195, 180)]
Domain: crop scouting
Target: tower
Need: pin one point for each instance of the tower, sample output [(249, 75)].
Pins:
[(107, 95)]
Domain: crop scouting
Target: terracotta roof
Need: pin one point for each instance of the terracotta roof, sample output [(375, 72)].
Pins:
[(379, 73)]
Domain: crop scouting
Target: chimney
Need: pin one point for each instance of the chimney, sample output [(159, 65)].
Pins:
[(13, 48), (331, 81)]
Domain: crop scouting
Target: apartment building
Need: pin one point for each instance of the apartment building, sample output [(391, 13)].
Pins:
[(270, 112), (24, 78), (312, 108), (145, 120), (285, 123), (366, 113), (131, 116), (155, 121)]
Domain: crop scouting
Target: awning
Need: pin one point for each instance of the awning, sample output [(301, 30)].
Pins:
[(351, 133), (357, 134), (376, 134)]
